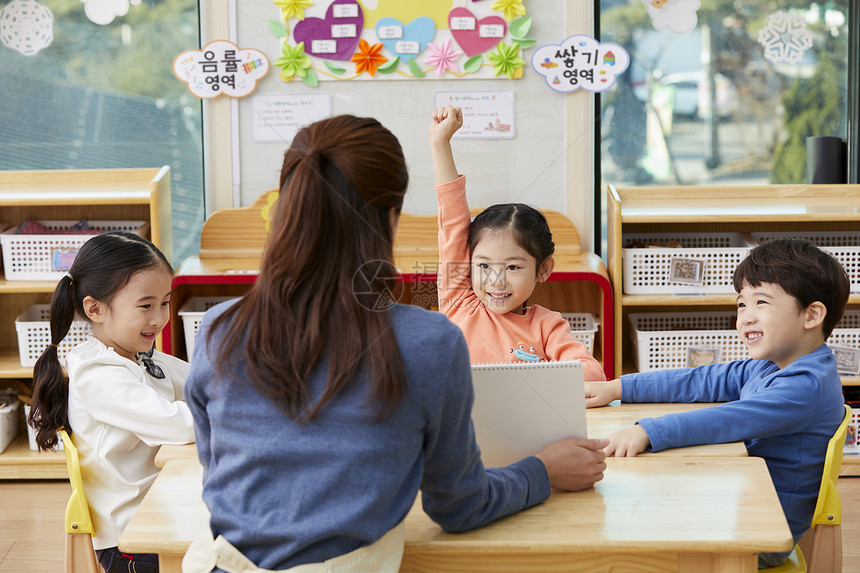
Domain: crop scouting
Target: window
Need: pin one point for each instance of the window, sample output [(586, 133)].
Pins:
[(104, 96), (720, 104)]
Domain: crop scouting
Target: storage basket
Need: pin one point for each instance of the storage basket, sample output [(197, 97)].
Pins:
[(705, 264), (583, 327), (8, 424), (661, 339), (34, 334), (192, 314), (844, 245), (852, 438), (49, 257)]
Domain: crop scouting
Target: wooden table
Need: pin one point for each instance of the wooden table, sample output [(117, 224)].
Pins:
[(704, 514), (601, 423)]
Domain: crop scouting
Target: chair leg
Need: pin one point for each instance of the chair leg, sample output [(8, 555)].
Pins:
[(80, 557), (825, 551)]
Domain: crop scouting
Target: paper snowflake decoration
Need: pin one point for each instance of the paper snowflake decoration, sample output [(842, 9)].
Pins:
[(26, 26), (785, 38)]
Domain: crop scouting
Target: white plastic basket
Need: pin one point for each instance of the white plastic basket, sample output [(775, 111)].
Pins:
[(34, 334), (583, 327), (8, 424), (49, 257), (662, 339), (192, 314), (649, 270), (852, 437), (844, 245), (847, 331)]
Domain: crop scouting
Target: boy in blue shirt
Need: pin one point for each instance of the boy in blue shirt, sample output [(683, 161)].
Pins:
[(785, 402)]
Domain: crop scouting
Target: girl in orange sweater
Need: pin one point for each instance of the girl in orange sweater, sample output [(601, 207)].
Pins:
[(489, 267)]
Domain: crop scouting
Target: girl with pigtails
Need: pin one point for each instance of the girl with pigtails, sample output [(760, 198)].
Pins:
[(122, 399)]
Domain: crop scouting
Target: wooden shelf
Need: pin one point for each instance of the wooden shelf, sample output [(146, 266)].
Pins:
[(12, 287), (850, 465), (232, 242), (741, 209), (18, 461), (93, 194), (10, 365)]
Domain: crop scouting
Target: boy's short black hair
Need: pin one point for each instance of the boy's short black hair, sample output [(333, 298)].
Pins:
[(802, 270)]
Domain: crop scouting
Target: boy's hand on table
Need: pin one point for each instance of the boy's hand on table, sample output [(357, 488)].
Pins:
[(628, 442), (602, 393), (573, 464)]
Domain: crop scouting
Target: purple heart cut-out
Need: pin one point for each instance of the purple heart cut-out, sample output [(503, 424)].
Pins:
[(323, 30)]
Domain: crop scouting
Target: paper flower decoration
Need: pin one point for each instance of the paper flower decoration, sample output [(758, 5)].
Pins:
[(266, 211), (293, 8), (368, 57), (511, 8), (506, 59), (293, 62), (443, 57)]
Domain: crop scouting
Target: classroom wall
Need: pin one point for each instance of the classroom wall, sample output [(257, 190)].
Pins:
[(549, 164)]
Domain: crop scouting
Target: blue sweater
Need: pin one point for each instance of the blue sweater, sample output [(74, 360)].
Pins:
[(784, 416), (287, 494)]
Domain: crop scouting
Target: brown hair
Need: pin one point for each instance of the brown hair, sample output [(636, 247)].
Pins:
[(325, 280), (802, 270)]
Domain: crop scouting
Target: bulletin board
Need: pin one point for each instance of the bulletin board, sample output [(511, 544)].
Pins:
[(528, 167)]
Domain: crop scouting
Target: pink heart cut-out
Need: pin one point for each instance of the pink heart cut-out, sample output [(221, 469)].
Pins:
[(311, 29), (470, 41)]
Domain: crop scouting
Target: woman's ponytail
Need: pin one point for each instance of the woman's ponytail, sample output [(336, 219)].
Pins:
[(50, 408)]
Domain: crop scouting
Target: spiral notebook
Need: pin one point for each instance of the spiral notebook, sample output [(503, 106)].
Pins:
[(521, 407)]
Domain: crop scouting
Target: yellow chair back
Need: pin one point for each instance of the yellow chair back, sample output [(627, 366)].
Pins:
[(822, 547), (78, 518), (828, 508)]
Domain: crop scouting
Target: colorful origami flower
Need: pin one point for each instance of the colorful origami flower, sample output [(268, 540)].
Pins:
[(506, 59), (266, 211), (443, 57), (293, 62), (511, 8), (368, 57), (293, 8)]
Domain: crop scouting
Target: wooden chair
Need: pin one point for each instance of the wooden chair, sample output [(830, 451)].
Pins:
[(820, 548), (80, 557)]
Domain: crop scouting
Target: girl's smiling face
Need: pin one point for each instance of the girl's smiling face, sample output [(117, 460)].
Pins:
[(136, 313), (504, 275), (771, 323)]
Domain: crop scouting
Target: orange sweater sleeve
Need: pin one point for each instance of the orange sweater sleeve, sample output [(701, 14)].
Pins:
[(561, 345), (453, 277)]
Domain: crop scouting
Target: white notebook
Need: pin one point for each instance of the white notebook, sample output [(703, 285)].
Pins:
[(521, 407)]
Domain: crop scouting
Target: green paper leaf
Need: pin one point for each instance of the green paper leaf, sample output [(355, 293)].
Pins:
[(520, 27), (334, 69), (279, 29), (474, 64), (311, 78), (524, 44), (388, 67), (415, 69)]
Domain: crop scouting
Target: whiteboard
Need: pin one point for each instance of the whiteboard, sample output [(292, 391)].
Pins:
[(528, 168)]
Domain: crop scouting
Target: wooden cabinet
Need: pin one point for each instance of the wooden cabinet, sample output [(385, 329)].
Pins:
[(740, 209), (229, 258), (103, 194)]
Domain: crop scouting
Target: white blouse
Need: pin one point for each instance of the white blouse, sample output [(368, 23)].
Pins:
[(120, 415)]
